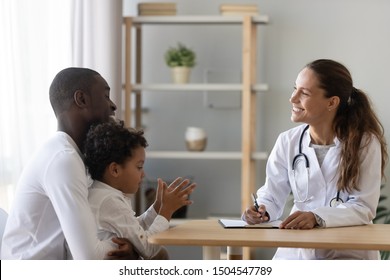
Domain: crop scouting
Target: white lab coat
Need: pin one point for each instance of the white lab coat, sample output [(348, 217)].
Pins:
[(359, 207)]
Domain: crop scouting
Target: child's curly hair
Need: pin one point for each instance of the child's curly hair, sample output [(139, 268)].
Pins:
[(110, 142)]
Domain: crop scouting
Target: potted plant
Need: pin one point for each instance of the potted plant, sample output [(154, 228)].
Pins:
[(180, 59)]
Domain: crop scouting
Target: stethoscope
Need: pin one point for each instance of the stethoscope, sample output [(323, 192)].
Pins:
[(334, 202)]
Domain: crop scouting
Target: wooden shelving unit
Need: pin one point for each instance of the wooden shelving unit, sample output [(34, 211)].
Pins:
[(248, 87), (196, 87), (204, 155)]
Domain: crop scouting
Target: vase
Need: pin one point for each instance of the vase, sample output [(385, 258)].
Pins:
[(181, 75), (196, 139)]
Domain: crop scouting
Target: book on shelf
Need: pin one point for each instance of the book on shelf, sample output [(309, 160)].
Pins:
[(244, 9), (240, 7), (157, 9), (157, 13), (239, 13), (157, 6)]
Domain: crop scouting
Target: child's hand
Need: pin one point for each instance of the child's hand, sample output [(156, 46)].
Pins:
[(173, 196), (157, 202)]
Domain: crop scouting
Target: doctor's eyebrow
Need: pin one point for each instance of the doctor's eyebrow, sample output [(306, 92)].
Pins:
[(302, 88)]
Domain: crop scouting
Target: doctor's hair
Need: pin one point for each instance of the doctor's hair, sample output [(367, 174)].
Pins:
[(110, 142), (66, 83), (355, 120)]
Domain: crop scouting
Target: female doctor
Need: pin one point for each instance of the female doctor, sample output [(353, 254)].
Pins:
[(333, 163)]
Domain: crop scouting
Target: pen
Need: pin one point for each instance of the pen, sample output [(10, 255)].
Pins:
[(255, 202)]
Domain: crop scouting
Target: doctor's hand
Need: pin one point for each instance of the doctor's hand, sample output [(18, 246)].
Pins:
[(299, 220), (251, 216)]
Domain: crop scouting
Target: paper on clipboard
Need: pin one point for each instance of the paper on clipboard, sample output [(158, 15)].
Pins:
[(236, 223)]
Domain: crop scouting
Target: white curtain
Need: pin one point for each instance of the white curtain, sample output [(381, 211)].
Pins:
[(97, 34), (37, 39)]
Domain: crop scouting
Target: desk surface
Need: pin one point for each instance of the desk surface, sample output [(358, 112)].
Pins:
[(211, 233)]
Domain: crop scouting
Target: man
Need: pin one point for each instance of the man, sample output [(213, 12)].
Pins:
[(50, 217)]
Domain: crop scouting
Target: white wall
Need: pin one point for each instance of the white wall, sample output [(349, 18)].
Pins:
[(354, 32)]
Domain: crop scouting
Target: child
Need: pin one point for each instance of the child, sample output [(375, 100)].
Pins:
[(115, 156)]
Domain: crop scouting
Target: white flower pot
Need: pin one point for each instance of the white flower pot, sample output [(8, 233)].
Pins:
[(196, 139), (181, 75)]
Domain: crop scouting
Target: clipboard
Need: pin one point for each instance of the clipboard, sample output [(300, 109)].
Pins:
[(236, 223)]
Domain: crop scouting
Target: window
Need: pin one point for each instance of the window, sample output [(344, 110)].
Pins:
[(35, 44)]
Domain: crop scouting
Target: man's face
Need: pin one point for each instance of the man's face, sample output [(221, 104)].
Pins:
[(101, 106)]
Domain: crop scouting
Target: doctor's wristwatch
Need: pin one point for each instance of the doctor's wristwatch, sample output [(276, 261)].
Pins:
[(319, 220)]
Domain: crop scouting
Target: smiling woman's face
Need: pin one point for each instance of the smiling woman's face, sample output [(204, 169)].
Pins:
[(309, 104)]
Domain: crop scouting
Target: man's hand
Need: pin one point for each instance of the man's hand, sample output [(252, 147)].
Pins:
[(125, 250)]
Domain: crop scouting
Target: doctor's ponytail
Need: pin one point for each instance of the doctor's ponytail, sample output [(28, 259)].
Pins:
[(354, 125)]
